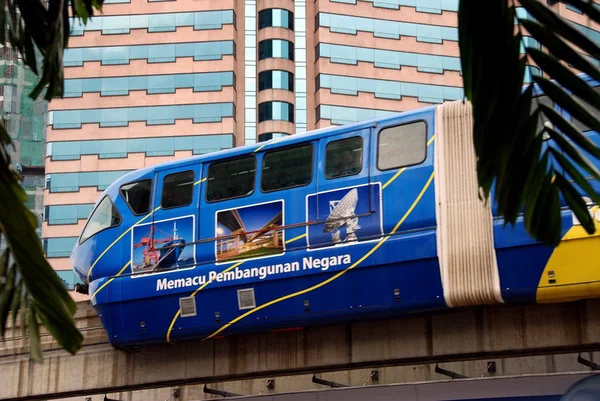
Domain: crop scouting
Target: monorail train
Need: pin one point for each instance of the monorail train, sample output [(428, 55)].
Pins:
[(375, 219)]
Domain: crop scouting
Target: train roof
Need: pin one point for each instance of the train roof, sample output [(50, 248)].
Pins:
[(244, 150)]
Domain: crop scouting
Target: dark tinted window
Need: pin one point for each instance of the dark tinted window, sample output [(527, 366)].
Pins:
[(275, 48), (287, 168), (178, 189), (267, 136), (401, 146), (137, 196), (104, 216), (282, 111), (276, 79), (276, 17), (231, 179), (343, 157)]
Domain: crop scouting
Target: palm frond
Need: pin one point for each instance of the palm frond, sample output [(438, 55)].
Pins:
[(528, 175)]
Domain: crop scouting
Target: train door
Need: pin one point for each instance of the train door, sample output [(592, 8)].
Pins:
[(402, 159), (167, 242), (230, 189), (346, 203)]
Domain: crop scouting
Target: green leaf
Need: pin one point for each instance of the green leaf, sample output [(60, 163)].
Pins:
[(34, 336), (558, 48), (3, 264), (6, 299), (23, 314), (553, 23), (3, 22), (506, 134), (573, 153), (576, 203), (576, 176), (16, 303), (587, 8), (565, 77), (536, 188), (30, 53), (567, 102), (568, 129)]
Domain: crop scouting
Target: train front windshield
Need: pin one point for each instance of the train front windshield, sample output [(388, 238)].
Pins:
[(104, 216)]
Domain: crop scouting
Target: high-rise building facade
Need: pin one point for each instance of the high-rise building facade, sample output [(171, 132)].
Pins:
[(25, 121), (152, 80)]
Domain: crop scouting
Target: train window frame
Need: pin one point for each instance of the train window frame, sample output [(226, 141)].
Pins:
[(397, 126), (312, 165), (81, 238), (362, 148), (127, 202), (162, 192), (229, 160)]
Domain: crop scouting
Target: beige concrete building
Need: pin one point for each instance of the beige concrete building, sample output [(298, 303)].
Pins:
[(152, 80)]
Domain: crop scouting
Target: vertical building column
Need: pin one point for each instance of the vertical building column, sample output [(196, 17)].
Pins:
[(300, 42), (250, 72), (276, 69)]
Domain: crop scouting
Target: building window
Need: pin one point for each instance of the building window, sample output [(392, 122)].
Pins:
[(343, 157), (340, 115), (154, 53), (276, 79), (164, 22), (59, 247), (67, 214), (178, 189), (69, 279), (151, 84), (426, 93), (137, 196), (104, 216), (390, 59), (287, 168), (151, 115), (401, 146), (231, 179), (275, 48), (267, 136), (276, 17), (158, 146), (72, 182), (275, 111), (387, 28)]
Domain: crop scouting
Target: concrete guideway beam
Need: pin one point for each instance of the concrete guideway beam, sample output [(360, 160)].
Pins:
[(494, 332), (550, 370)]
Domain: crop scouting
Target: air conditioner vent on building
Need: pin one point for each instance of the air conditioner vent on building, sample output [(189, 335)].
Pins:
[(246, 298)]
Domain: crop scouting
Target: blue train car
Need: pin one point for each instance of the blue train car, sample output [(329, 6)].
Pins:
[(375, 219)]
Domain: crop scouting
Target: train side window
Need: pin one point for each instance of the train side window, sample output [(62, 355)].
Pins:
[(178, 189), (343, 157), (402, 145), (104, 216), (231, 179), (287, 168), (137, 196)]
